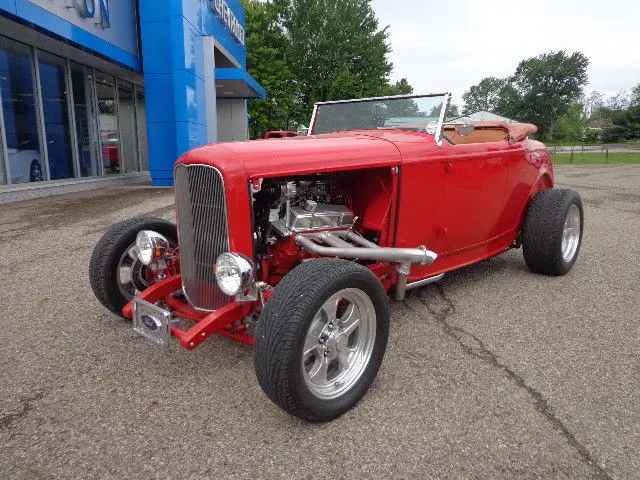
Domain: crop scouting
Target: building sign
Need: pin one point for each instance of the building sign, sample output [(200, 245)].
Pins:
[(222, 10), (113, 21), (88, 9)]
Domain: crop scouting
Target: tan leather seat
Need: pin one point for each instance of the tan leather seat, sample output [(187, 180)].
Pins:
[(485, 132)]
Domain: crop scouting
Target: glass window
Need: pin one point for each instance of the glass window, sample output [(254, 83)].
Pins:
[(127, 122), (19, 112), (55, 108), (108, 123), (83, 108), (141, 117)]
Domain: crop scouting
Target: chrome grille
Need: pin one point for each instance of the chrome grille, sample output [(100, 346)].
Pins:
[(202, 232)]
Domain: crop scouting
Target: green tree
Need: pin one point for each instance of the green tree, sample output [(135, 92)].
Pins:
[(401, 87), (305, 51), (336, 49), (619, 101), (635, 96), (570, 127), (267, 63), (547, 86), (625, 125), (453, 111), (594, 104), (485, 96)]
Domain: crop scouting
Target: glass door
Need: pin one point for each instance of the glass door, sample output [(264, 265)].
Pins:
[(127, 122), (108, 134), (55, 108), (86, 120)]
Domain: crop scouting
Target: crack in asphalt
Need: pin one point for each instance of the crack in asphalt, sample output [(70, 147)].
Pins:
[(480, 351), (26, 405)]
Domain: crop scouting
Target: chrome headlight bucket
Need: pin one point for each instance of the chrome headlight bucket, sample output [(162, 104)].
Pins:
[(235, 273), (150, 246)]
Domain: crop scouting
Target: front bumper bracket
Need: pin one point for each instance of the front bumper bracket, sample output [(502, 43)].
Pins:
[(156, 323)]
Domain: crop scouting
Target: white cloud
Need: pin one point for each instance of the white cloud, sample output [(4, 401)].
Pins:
[(441, 45)]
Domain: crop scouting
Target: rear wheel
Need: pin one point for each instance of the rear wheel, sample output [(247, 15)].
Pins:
[(552, 231), (115, 272), (321, 338)]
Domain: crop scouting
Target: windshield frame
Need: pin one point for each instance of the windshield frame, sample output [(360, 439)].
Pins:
[(439, 128)]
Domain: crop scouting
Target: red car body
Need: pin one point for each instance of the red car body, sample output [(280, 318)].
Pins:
[(466, 202), (295, 246)]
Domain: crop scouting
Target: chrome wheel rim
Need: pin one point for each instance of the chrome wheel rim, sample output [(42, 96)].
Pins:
[(131, 273), (339, 343), (571, 233)]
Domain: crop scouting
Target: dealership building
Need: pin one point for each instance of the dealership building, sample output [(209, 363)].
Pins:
[(97, 92)]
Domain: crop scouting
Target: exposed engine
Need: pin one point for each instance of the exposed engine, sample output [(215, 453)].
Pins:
[(301, 204)]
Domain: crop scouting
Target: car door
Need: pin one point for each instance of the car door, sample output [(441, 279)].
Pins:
[(474, 193)]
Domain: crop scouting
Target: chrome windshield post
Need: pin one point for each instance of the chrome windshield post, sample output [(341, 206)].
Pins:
[(440, 128)]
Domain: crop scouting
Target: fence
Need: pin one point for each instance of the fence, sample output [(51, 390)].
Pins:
[(595, 153)]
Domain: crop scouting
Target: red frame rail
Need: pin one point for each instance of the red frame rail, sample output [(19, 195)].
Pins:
[(207, 323)]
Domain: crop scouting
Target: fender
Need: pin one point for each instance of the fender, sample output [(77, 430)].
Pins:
[(544, 181)]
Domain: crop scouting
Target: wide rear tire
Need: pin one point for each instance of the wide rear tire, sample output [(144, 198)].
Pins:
[(108, 254), (321, 338), (552, 231)]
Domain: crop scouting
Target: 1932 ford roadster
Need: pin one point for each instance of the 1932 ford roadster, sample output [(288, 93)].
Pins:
[(296, 245)]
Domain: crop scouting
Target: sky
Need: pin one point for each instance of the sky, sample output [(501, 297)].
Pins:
[(452, 45)]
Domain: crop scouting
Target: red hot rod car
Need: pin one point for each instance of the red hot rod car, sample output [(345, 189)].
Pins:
[(295, 246)]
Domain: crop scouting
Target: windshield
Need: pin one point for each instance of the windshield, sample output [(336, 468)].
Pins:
[(419, 113)]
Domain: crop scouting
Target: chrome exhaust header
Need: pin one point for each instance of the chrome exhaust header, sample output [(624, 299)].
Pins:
[(337, 244), (368, 251)]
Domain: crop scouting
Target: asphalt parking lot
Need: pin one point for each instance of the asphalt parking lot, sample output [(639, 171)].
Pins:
[(494, 373)]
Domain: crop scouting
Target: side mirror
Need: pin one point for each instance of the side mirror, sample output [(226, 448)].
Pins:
[(465, 129)]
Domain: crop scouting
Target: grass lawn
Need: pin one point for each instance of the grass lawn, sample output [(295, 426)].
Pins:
[(589, 158), (634, 143)]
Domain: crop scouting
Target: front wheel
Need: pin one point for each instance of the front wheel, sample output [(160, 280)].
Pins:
[(552, 231), (115, 272), (321, 338)]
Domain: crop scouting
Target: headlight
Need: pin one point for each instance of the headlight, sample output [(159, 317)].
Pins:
[(234, 273), (150, 246)]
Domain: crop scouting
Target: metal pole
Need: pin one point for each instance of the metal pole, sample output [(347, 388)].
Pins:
[(136, 92), (44, 147), (71, 108), (4, 154), (403, 270), (572, 156), (116, 85), (95, 123)]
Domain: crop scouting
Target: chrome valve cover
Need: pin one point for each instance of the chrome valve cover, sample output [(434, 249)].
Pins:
[(320, 216)]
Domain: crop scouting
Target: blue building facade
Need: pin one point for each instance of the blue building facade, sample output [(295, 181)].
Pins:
[(96, 89)]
